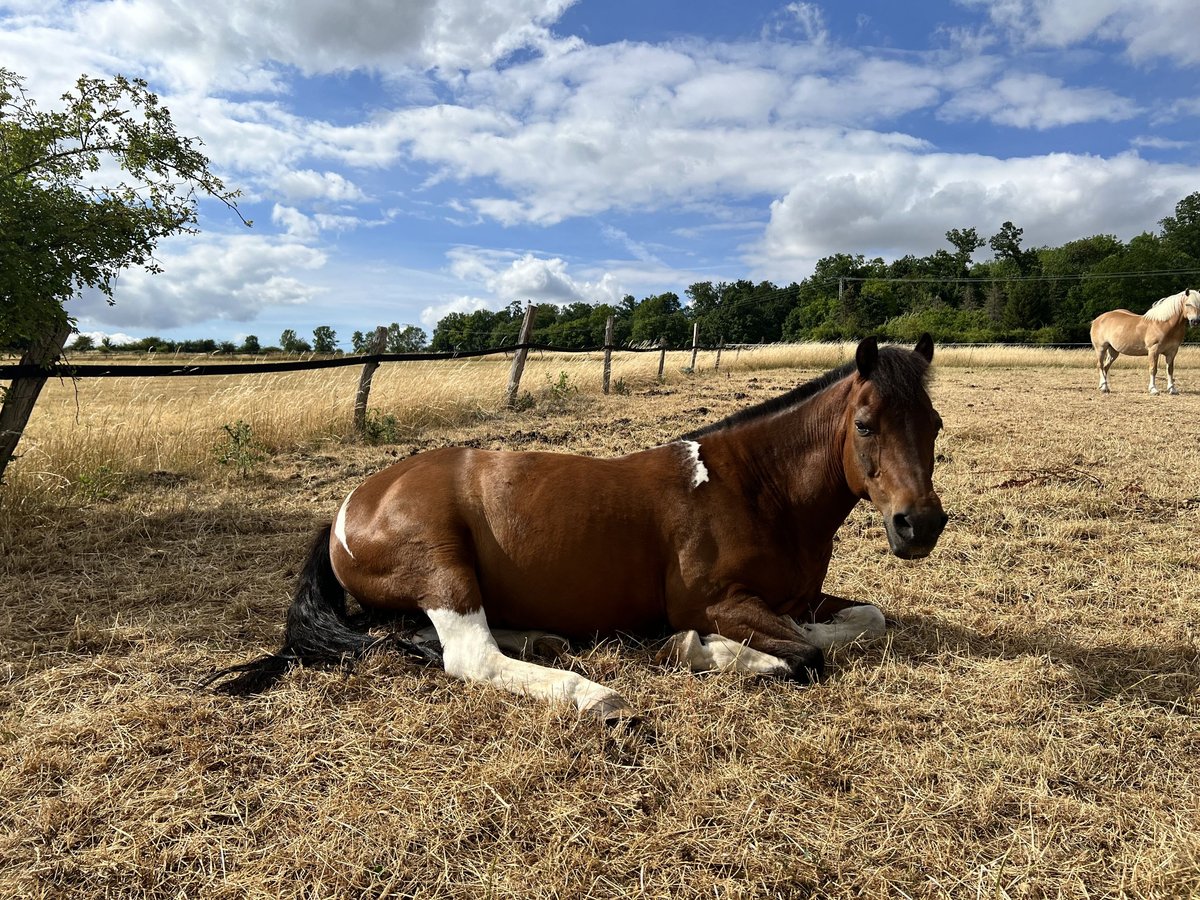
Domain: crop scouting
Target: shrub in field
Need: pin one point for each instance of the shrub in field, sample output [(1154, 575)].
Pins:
[(562, 388), (101, 483), (381, 428), (239, 449)]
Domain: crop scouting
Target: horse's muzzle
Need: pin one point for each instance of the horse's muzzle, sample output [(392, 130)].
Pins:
[(914, 534)]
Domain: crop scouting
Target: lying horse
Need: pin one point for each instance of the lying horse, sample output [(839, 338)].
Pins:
[(724, 536), (1159, 331)]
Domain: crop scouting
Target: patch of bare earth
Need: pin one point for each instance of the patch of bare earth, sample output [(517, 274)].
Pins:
[(1028, 728)]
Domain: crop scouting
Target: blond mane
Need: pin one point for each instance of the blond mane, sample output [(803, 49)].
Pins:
[(1168, 307)]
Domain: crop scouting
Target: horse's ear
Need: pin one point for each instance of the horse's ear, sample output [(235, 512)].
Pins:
[(866, 357), (925, 346)]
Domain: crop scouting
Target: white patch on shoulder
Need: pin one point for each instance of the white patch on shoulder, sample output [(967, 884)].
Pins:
[(699, 470), (339, 525)]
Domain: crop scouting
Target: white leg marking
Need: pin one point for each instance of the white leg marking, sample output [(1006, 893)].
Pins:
[(470, 652), (715, 653), (339, 525), (521, 643), (699, 470), (848, 625)]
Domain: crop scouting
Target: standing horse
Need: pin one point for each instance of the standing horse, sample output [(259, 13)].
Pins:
[(725, 533), (1159, 331)]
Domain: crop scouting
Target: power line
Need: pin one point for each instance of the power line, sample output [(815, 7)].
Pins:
[(966, 279)]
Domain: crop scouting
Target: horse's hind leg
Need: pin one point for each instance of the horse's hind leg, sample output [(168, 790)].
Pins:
[(1105, 357), (470, 652), (1153, 353), (525, 644)]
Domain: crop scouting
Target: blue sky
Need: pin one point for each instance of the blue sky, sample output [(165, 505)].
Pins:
[(405, 158)]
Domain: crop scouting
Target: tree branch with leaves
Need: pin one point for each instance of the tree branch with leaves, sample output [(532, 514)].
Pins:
[(86, 191)]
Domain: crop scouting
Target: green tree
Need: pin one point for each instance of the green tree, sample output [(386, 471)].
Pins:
[(405, 339), (86, 191), (1181, 232), (293, 344), (324, 339), (62, 227), (660, 317), (83, 342), (250, 344)]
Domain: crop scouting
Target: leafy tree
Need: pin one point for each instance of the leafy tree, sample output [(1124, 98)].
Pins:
[(83, 342), (324, 339), (293, 344), (250, 344), (1006, 243), (660, 317), (1182, 231), (85, 192), (406, 339), (63, 226), (965, 241)]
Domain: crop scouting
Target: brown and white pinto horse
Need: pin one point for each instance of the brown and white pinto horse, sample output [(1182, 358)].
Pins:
[(724, 536), (1159, 331)]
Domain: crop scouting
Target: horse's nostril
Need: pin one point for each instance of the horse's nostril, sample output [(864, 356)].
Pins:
[(902, 525)]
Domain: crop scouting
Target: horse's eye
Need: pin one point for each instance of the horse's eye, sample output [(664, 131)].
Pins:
[(862, 428)]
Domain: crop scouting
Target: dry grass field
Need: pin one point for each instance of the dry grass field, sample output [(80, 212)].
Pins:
[(1030, 727)]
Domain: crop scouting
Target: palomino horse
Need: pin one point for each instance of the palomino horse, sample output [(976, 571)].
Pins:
[(725, 533), (1159, 331)]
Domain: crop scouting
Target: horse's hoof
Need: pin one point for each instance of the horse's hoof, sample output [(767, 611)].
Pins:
[(609, 710), (807, 667)]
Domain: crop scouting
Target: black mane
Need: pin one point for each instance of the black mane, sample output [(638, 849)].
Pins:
[(900, 376)]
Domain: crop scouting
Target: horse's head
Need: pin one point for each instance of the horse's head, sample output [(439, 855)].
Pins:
[(890, 427), (1191, 306)]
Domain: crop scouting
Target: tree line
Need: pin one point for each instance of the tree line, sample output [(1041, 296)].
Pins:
[(1043, 295)]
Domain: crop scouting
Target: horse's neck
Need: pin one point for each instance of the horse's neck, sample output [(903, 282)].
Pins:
[(791, 461), (1173, 312)]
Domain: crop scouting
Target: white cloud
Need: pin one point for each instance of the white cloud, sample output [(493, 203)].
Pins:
[(509, 277), (1031, 100), (1151, 31), (207, 278), (248, 45), (434, 313), (117, 337), (895, 205), (307, 185), (294, 223)]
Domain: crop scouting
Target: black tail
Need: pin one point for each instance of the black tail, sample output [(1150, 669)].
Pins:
[(317, 629)]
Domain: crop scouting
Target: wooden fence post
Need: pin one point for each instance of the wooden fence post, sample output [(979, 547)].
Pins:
[(720, 347), (608, 338), (22, 394), (378, 342), (518, 363), (695, 343), (662, 357)]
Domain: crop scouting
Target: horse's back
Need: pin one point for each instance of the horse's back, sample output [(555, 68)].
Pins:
[(1120, 329)]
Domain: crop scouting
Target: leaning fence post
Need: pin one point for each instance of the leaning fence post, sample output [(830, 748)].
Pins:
[(695, 343), (364, 380), (22, 394), (518, 363), (608, 338), (662, 357)]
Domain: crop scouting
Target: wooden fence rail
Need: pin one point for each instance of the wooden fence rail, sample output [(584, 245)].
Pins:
[(43, 362)]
